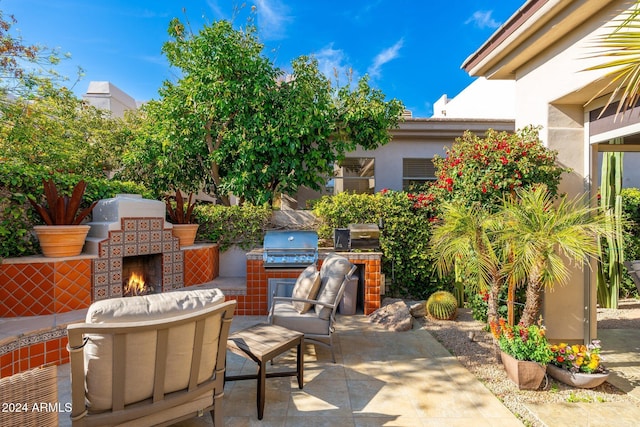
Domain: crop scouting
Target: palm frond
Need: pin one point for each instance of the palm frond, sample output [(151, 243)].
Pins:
[(621, 47)]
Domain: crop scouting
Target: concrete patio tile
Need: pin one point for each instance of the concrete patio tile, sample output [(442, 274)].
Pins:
[(251, 422), (387, 420), (377, 398), (321, 398), (319, 421), (463, 422), (364, 370), (241, 399)]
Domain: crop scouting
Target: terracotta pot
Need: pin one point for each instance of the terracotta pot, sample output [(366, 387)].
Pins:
[(61, 240), (186, 233), (526, 374), (577, 379)]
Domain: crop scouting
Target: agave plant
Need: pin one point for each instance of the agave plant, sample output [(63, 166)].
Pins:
[(62, 210), (181, 213)]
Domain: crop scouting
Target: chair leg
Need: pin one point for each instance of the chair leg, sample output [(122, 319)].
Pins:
[(217, 416), (333, 355)]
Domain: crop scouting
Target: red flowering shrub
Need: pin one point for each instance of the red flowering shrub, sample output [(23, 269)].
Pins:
[(483, 170)]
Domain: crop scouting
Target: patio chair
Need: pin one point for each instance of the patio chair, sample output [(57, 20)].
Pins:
[(150, 360), (633, 267), (316, 295)]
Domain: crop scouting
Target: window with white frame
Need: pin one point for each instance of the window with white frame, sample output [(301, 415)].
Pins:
[(417, 172), (355, 175)]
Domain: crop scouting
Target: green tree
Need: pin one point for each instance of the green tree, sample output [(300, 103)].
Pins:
[(23, 67), (233, 123), (539, 235), (53, 128)]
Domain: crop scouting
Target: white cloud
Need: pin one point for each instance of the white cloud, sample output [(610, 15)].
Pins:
[(333, 64), (216, 9), (383, 57), (272, 18), (482, 19)]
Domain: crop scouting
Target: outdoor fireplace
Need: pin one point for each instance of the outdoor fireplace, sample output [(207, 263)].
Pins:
[(141, 274), (129, 234)]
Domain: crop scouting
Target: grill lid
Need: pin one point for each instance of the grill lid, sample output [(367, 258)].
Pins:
[(364, 231), (288, 248)]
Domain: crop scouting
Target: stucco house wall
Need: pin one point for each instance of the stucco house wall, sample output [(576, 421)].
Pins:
[(545, 49), (106, 96), (482, 99)]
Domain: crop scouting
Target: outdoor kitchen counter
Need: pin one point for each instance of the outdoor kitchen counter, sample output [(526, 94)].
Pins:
[(370, 273), (256, 254)]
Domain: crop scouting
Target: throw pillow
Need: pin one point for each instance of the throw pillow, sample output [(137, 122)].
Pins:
[(306, 287), (333, 270)]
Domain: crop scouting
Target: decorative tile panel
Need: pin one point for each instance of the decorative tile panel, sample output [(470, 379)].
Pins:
[(140, 236)]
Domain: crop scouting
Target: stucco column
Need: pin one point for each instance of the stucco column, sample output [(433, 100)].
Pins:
[(569, 311)]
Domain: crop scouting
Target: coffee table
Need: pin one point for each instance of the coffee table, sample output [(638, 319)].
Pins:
[(261, 343)]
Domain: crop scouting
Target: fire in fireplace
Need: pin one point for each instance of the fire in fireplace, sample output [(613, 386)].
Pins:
[(136, 285), (141, 274)]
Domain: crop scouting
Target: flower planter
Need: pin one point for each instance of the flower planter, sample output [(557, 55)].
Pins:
[(186, 233), (527, 375), (576, 379), (61, 240)]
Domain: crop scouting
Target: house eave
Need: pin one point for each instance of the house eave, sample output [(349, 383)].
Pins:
[(533, 28), (430, 129)]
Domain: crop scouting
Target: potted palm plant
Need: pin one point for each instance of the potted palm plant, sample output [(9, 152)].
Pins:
[(181, 216), (64, 234)]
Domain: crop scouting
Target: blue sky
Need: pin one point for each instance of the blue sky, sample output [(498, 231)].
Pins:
[(411, 49)]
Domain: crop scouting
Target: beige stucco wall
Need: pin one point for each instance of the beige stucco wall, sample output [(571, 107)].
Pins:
[(550, 92)]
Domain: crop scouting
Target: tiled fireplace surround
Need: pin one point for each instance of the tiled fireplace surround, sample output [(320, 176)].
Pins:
[(38, 286)]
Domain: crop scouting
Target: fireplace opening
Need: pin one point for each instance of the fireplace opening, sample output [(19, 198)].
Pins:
[(141, 274)]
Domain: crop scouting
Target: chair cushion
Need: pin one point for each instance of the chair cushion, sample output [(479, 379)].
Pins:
[(284, 314), (306, 287), (140, 354), (332, 273), (152, 307)]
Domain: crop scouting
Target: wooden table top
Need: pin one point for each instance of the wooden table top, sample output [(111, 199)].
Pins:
[(263, 340)]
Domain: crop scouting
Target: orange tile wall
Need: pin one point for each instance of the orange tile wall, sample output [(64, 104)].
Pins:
[(53, 351), (33, 289), (201, 265)]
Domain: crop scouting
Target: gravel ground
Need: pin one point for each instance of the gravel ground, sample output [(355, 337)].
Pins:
[(465, 338)]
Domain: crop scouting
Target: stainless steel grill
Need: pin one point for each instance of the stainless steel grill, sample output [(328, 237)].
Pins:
[(290, 249), (357, 237)]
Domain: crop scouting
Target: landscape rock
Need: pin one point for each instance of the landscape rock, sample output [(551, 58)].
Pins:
[(394, 316), (417, 308)]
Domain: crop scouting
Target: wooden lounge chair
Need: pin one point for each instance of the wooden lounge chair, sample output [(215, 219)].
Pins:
[(150, 360)]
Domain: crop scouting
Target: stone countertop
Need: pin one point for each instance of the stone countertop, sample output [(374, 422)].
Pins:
[(256, 254)]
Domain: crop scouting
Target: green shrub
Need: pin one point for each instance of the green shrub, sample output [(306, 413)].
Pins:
[(232, 225), (631, 209), (406, 221), (346, 208), (477, 302), (483, 169)]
